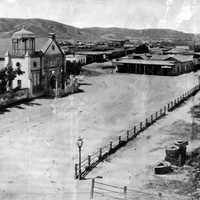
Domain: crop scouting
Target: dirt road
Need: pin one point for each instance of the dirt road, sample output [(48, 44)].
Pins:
[(38, 140)]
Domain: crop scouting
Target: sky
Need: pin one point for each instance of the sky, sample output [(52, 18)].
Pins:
[(181, 15)]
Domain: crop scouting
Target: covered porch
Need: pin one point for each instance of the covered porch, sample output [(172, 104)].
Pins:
[(144, 67)]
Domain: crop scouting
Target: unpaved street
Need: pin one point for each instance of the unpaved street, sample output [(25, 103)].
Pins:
[(38, 139)]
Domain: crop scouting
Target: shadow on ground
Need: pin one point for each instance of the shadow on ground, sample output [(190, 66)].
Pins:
[(20, 105)]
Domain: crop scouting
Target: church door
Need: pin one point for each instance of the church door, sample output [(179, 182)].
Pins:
[(53, 82)]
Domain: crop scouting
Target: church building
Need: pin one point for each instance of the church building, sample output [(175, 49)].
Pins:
[(43, 68)]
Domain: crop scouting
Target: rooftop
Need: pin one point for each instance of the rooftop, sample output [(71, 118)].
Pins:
[(174, 57), (145, 62), (93, 52), (181, 58), (74, 56), (23, 33)]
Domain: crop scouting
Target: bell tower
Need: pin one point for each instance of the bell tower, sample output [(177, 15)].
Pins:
[(23, 41)]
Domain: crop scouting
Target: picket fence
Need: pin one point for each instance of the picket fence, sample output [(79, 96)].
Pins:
[(102, 153)]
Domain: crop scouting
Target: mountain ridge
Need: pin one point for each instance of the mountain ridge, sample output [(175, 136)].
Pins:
[(41, 27)]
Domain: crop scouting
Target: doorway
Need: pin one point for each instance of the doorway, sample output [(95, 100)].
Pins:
[(53, 82)]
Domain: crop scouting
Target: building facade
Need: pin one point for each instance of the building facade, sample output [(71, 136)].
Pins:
[(74, 62), (43, 68), (153, 64)]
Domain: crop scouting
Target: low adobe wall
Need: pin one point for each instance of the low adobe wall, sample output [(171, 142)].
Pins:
[(9, 98)]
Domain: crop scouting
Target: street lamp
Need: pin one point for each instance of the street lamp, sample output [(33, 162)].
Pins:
[(79, 144)]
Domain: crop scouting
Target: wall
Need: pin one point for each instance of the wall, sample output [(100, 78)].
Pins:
[(25, 79), (9, 98)]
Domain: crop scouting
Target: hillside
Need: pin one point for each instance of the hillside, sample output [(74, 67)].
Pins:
[(148, 34), (42, 27)]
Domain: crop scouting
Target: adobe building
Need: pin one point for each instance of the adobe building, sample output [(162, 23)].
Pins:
[(153, 64), (43, 68)]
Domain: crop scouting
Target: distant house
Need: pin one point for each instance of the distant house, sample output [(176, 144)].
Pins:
[(43, 64), (196, 58), (74, 63), (153, 64), (184, 50), (94, 56)]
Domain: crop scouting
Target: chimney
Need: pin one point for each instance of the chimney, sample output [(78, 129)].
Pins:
[(52, 36)]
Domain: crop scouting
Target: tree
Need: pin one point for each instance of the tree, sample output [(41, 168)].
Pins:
[(142, 49), (7, 75)]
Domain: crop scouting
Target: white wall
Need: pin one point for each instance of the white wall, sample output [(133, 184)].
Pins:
[(24, 65)]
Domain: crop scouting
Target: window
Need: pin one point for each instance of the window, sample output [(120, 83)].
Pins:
[(19, 84), (53, 47), (18, 64), (34, 64)]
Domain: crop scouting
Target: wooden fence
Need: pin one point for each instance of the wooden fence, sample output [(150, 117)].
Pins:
[(101, 191), (102, 153)]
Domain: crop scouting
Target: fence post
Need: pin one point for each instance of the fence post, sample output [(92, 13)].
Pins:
[(76, 171), (110, 146), (168, 106), (100, 153), (92, 189), (156, 115), (165, 109), (160, 112), (134, 130), (140, 125), (125, 192), (151, 119), (89, 160), (120, 139), (146, 122), (127, 134)]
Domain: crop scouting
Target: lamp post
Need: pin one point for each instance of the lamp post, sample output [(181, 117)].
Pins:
[(79, 144)]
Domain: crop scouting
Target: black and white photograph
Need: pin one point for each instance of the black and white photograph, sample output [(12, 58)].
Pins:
[(100, 100)]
